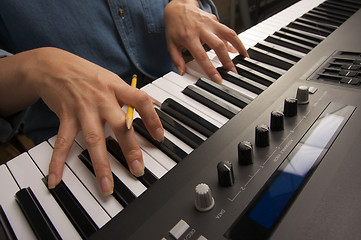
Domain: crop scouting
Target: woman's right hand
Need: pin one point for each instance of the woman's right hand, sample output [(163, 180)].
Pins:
[(84, 96)]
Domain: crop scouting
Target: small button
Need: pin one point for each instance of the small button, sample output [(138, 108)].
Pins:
[(121, 12), (312, 90), (179, 229), (201, 237)]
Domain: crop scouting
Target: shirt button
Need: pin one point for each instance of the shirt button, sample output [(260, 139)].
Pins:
[(121, 12)]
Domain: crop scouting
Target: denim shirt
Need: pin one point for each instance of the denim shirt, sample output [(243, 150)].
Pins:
[(123, 36)]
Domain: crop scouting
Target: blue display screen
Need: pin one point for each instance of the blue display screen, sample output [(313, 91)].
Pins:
[(294, 170)]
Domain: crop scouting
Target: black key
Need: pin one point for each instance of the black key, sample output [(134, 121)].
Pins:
[(342, 9), (254, 75), (269, 58), (355, 3), (322, 18), (280, 51), (327, 27), (344, 4), (123, 195), (308, 28), (246, 83), (288, 44), (303, 34), (188, 117), (295, 38), (210, 101), (330, 14), (223, 92), (35, 214), (166, 146), (113, 147), (179, 130), (333, 12), (258, 66), (80, 219), (6, 231)]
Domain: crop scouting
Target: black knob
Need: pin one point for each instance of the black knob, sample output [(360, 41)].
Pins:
[(277, 121), (262, 135), (225, 173), (245, 153), (290, 107)]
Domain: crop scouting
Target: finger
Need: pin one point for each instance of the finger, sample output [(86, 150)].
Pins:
[(126, 139), (93, 133), (220, 47), (200, 55), (230, 48), (144, 106), (177, 58), (65, 138), (231, 36)]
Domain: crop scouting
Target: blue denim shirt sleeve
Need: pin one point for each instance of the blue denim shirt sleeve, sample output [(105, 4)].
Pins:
[(9, 125), (208, 6)]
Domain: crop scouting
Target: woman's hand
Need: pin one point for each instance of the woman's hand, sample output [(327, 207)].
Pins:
[(187, 26), (84, 96)]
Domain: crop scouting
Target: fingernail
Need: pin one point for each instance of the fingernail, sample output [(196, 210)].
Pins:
[(51, 181), (234, 70), (106, 186), (217, 78), (159, 134), (137, 168), (180, 71)]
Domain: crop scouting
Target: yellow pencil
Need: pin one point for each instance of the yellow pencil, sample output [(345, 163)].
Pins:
[(130, 109)]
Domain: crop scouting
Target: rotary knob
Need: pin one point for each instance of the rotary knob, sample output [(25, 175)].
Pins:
[(302, 95), (262, 135), (204, 200), (290, 107), (245, 153), (277, 121), (225, 173)]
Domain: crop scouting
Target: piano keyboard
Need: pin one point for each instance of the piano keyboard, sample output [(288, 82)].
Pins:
[(191, 108)]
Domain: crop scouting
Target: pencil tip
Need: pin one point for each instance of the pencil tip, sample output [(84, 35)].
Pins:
[(128, 123)]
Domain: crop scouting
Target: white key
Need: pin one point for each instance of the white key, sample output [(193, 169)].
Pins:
[(151, 164), (155, 153), (17, 220), (109, 203), (179, 80), (182, 145), (176, 91), (28, 175), (189, 78), (187, 127), (159, 95), (126, 177), (41, 154), (121, 172), (186, 148), (184, 82)]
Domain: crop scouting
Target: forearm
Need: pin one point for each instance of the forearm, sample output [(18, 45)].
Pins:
[(16, 89)]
